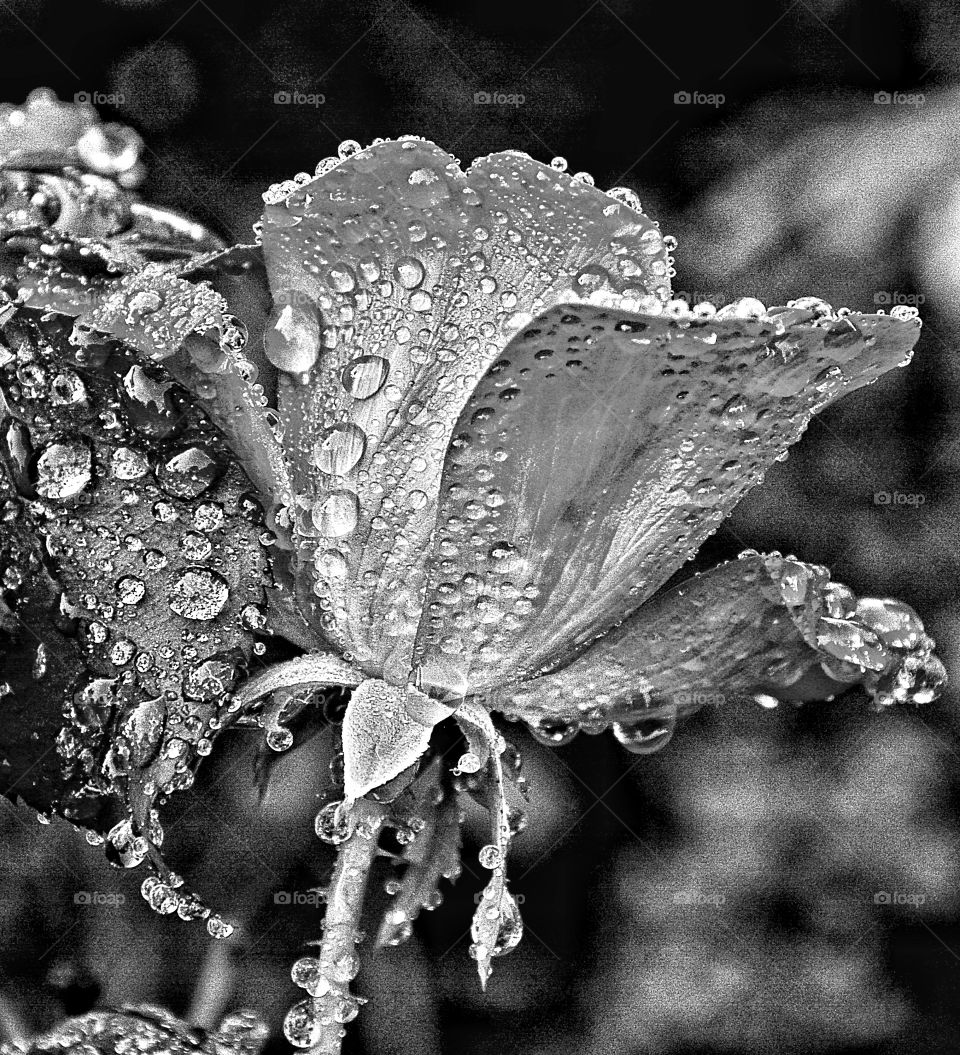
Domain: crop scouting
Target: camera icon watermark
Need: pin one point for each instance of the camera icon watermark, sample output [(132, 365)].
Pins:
[(299, 898), (899, 897), (899, 98), (295, 98), (499, 98), (97, 98), (99, 898), (684, 98), (899, 498)]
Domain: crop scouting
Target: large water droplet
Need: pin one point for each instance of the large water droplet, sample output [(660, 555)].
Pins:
[(291, 338), (339, 449), (409, 272), (364, 376), (199, 593), (63, 470), (646, 736), (337, 514)]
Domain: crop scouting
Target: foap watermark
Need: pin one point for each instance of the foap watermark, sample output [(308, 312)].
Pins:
[(899, 897), (899, 498), (699, 898), (714, 99), (519, 898), (293, 98), (699, 699), (99, 897), (299, 898), (899, 98), (96, 98), (895, 297), (499, 98)]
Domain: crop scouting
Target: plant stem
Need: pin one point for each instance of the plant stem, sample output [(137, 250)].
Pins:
[(315, 668), (333, 1002)]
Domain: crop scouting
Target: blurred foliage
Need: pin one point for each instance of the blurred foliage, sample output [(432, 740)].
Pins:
[(799, 183)]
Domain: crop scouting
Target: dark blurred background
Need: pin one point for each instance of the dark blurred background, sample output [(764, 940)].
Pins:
[(774, 880)]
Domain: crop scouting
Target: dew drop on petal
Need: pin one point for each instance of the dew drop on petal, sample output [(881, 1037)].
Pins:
[(339, 449), (409, 272), (336, 515), (364, 376), (63, 470), (291, 338), (199, 594)]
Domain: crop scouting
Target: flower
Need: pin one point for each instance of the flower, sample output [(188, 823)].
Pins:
[(480, 437)]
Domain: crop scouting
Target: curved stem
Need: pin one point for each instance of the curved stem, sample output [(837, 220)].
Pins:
[(333, 1002), (316, 668)]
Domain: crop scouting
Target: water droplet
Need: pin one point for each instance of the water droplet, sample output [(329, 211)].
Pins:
[(337, 514), (339, 449), (63, 470), (364, 376), (332, 824), (554, 732), (130, 590), (291, 338), (219, 928), (409, 272), (490, 857), (348, 148), (199, 594), (341, 278), (645, 736), (279, 738), (301, 1027), (123, 848)]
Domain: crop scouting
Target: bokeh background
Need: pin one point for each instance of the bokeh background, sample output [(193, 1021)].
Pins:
[(774, 880)]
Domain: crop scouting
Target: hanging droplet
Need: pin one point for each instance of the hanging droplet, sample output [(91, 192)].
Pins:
[(645, 736), (554, 732)]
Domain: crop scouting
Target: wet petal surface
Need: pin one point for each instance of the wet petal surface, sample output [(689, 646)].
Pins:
[(763, 625), (599, 452), (398, 279)]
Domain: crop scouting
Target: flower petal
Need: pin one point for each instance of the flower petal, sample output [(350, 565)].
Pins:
[(186, 324), (597, 455), (761, 624), (153, 541), (398, 279)]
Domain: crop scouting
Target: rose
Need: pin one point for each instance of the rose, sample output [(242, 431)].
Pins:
[(472, 477)]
